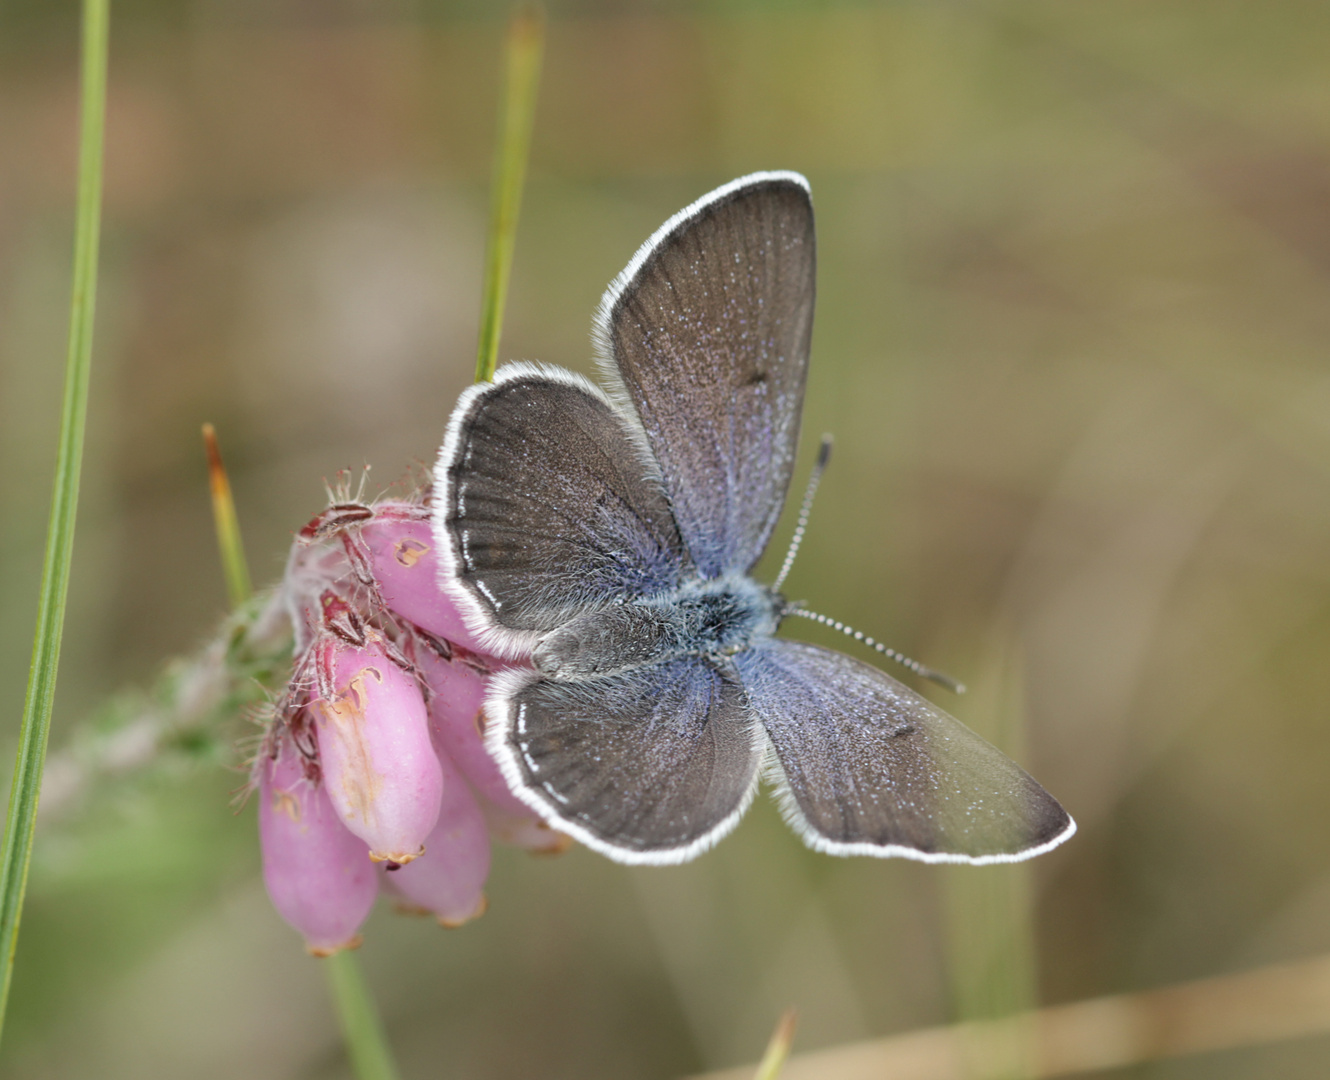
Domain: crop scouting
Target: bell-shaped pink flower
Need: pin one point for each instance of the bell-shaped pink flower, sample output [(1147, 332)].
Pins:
[(406, 568), (456, 711), (316, 872), (379, 767), (448, 880)]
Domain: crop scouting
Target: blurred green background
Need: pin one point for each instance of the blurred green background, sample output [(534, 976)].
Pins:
[(1074, 309)]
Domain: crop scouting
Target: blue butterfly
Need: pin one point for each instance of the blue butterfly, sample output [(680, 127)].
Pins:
[(610, 535)]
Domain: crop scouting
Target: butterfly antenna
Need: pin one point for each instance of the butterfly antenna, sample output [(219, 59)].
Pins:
[(805, 508), (938, 677)]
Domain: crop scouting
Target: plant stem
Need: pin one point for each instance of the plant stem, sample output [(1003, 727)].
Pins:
[(224, 517), (1224, 1012), (365, 1043), (36, 727), (359, 1020), (523, 47), (362, 1030)]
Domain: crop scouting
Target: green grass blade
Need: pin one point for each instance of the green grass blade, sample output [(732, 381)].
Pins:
[(523, 48), (229, 544), (361, 1029), (64, 503), (992, 957), (778, 1049)]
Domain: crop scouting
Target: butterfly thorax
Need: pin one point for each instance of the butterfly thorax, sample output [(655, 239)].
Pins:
[(715, 618)]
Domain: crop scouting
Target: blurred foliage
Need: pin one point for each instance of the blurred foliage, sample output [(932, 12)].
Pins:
[(1071, 340)]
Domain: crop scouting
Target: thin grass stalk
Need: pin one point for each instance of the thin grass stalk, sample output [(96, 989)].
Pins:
[(523, 48), (990, 911), (36, 726), (229, 544), (1226, 1012), (778, 1049), (362, 1030)]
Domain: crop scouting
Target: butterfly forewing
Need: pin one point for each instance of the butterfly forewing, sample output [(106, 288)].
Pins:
[(707, 331), (649, 767), (547, 506), (872, 768)]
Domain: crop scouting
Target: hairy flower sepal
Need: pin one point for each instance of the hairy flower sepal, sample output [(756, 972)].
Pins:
[(379, 768), (315, 870)]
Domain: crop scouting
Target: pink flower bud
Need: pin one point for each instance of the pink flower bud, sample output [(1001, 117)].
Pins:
[(406, 567), (379, 768), (316, 872), (448, 880)]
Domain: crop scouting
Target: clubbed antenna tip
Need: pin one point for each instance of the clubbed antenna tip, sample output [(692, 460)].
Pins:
[(823, 453)]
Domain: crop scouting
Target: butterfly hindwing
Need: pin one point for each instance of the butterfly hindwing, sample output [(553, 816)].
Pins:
[(706, 336), (871, 768), (652, 766)]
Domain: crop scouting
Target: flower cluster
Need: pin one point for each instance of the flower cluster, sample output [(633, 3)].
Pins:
[(373, 774)]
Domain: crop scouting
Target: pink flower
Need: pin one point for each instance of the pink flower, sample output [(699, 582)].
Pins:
[(406, 570), (379, 769), (386, 702), (456, 710), (448, 880), (316, 872)]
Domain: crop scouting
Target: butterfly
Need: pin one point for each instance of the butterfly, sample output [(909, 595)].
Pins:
[(609, 536)]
